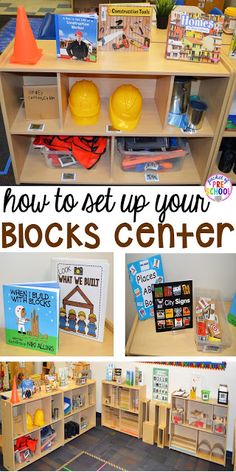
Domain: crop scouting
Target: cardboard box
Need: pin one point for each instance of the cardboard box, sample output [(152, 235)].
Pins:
[(41, 102), (149, 432)]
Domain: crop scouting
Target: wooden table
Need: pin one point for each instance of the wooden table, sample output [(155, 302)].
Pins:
[(69, 345), (144, 341)]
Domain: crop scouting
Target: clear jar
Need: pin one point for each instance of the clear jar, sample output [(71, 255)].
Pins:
[(230, 20)]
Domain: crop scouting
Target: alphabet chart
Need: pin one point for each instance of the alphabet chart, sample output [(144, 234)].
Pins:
[(173, 305)]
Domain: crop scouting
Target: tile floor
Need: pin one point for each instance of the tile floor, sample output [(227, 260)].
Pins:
[(34, 7)]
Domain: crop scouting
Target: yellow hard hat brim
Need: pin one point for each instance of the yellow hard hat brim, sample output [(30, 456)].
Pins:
[(85, 120), (124, 125)]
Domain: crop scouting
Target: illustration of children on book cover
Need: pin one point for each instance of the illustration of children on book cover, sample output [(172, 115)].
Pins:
[(194, 37), (76, 37), (83, 293), (31, 319), (124, 27)]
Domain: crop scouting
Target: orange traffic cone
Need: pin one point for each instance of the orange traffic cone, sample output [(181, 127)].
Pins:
[(26, 50), (14, 393)]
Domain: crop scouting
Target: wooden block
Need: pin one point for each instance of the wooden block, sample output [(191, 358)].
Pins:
[(161, 437), (149, 432), (152, 411)]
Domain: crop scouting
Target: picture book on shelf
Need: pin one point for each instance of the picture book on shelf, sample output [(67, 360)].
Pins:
[(124, 27), (83, 295), (142, 275), (173, 305), (31, 316), (194, 37), (76, 36)]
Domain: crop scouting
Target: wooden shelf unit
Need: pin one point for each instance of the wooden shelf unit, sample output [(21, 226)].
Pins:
[(151, 73), (14, 419), (225, 133), (122, 407), (202, 442)]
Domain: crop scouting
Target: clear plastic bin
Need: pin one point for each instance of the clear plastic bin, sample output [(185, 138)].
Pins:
[(59, 159), (160, 161), (204, 341)]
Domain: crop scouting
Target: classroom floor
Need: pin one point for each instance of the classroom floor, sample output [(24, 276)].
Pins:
[(104, 449), (35, 7)]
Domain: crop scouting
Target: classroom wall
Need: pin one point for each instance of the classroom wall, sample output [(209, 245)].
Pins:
[(213, 271), (36, 267), (180, 377)]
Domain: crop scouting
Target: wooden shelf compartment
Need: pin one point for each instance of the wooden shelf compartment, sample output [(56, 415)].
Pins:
[(183, 439), (40, 404), (30, 166), (190, 172), (36, 455), (129, 423), (206, 447), (215, 170), (12, 88), (111, 417), (202, 407), (19, 421), (88, 414)]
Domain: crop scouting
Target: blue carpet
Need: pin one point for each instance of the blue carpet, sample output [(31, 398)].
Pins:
[(7, 33)]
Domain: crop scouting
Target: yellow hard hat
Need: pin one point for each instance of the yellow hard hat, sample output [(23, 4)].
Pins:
[(84, 102), (39, 417), (29, 421), (125, 107)]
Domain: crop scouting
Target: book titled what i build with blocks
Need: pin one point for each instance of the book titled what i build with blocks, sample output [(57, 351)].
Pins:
[(31, 316)]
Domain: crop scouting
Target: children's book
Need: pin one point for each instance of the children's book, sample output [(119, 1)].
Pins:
[(194, 37), (173, 305), (232, 49), (31, 316), (124, 27), (83, 296), (76, 36), (143, 274)]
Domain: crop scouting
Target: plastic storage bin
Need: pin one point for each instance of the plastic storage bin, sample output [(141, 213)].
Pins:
[(160, 160), (203, 337), (59, 159), (230, 20)]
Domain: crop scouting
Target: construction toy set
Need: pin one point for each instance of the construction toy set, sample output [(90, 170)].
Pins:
[(212, 331)]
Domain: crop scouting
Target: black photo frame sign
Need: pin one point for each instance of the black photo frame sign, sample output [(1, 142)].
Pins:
[(173, 305)]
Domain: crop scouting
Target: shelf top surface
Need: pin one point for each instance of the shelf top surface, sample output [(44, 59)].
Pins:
[(211, 401), (123, 385), (134, 63), (43, 394)]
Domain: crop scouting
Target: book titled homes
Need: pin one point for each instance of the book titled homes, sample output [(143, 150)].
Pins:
[(76, 36), (31, 316), (143, 274), (124, 27), (194, 37), (83, 294)]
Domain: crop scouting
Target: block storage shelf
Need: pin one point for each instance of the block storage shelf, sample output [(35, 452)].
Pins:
[(122, 407), (14, 417), (154, 76), (225, 133), (194, 428)]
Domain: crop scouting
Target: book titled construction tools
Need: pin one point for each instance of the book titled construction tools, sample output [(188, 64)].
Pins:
[(31, 316), (83, 294), (194, 37), (124, 27)]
